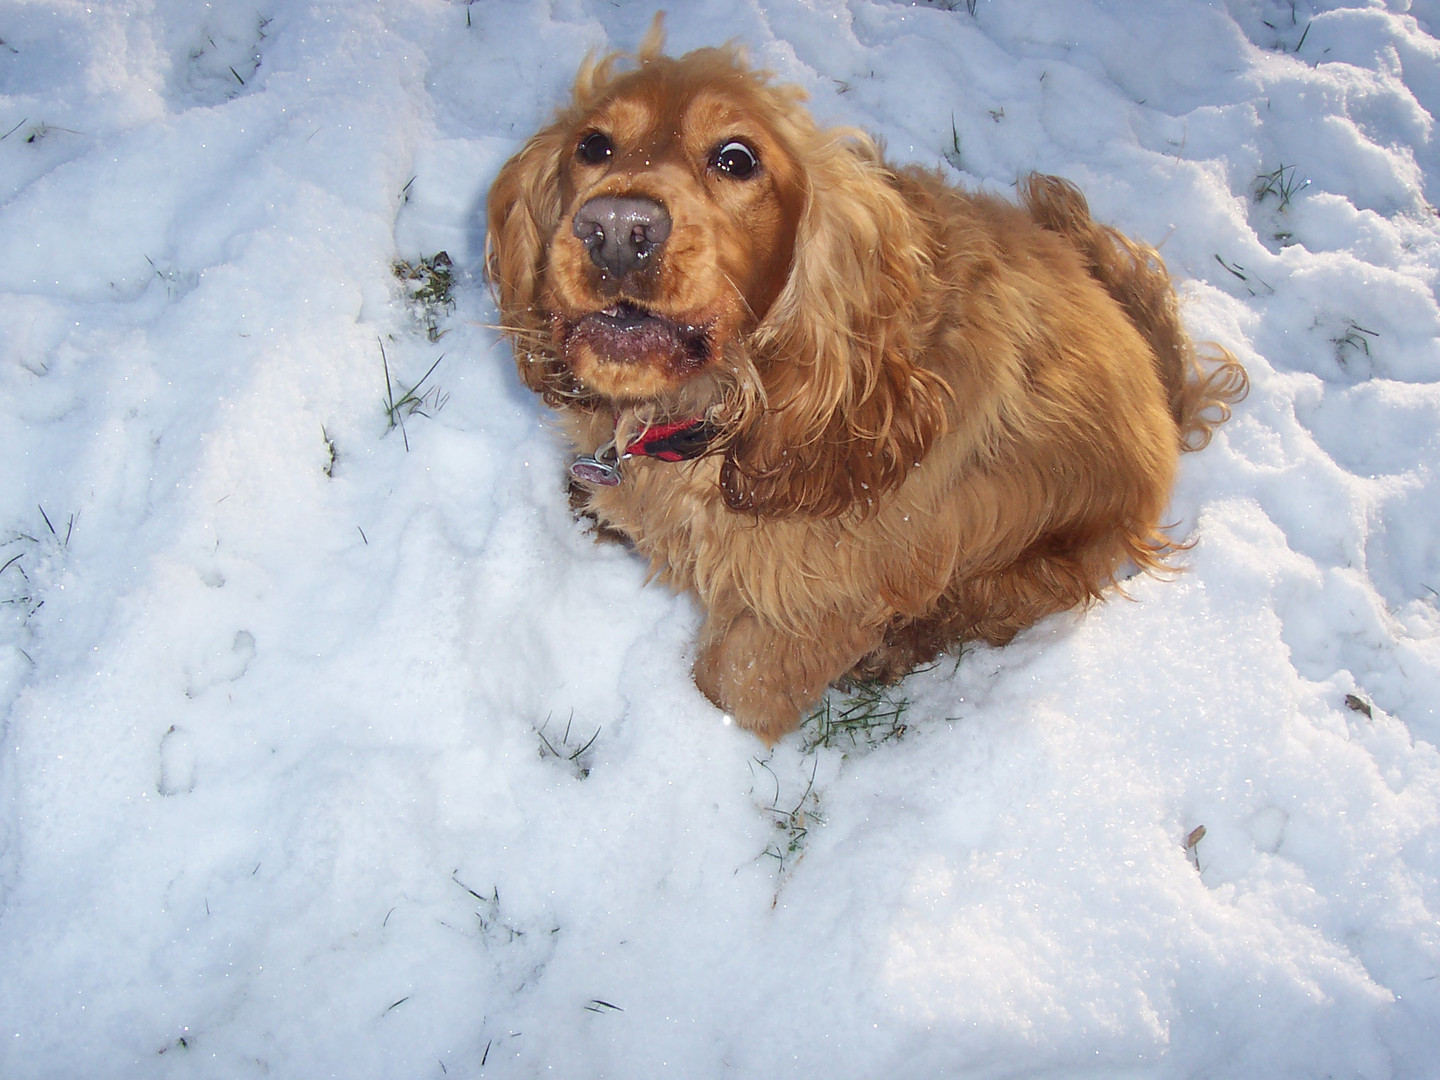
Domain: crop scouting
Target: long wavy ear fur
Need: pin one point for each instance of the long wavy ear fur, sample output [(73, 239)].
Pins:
[(848, 411), (522, 211)]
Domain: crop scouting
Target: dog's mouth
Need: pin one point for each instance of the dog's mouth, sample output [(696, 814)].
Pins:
[(629, 334)]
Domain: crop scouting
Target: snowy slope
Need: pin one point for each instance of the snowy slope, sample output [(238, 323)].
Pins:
[(333, 750)]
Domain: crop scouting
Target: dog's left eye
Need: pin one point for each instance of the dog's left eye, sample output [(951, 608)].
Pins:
[(736, 159)]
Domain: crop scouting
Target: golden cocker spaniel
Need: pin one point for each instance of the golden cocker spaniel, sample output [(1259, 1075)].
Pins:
[(862, 415)]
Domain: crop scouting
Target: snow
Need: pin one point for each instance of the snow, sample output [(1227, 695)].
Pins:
[(324, 757)]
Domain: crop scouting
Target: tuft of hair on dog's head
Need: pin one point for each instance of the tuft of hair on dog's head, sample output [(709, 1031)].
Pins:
[(598, 72)]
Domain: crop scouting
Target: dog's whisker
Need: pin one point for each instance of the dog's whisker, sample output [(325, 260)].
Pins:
[(513, 331), (739, 292)]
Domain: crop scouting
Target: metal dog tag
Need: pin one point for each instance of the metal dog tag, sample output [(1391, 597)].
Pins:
[(592, 470)]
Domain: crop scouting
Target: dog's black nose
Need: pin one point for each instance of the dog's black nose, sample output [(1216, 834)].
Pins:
[(622, 233)]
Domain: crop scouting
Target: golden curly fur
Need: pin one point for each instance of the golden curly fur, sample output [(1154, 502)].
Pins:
[(941, 416)]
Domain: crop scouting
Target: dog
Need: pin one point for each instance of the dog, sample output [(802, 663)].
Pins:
[(862, 415)]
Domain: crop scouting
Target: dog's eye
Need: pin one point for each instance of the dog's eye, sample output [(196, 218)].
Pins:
[(595, 148), (737, 160)]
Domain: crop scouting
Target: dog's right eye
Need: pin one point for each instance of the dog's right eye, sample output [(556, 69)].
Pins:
[(595, 149)]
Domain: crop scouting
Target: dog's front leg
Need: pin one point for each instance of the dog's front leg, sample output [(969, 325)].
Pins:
[(764, 677)]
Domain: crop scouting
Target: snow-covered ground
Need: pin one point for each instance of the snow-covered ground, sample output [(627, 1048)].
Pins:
[(332, 750)]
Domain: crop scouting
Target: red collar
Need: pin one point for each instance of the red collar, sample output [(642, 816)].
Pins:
[(680, 440)]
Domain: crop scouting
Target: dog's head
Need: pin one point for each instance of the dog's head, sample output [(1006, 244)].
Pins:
[(684, 239)]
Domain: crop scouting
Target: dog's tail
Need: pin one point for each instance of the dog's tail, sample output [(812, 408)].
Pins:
[(1201, 387)]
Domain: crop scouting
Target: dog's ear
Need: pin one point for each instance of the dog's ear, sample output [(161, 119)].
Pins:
[(849, 409), (522, 213)]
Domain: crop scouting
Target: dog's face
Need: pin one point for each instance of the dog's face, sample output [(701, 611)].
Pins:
[(678, 227), (670, 229)]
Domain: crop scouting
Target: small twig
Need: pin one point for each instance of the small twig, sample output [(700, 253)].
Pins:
[(409, 402), (1192, 845), (1238, 271), (390, 395), (483, 899), (1282, 183), (564, 752), (1233, 269), (1351, 339), (1355, 703)]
